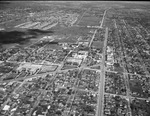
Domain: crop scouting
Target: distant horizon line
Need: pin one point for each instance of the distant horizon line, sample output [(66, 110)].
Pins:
[(71, 1), (80, 1)]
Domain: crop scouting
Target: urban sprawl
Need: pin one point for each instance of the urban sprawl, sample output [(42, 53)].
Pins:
[(97, 64)]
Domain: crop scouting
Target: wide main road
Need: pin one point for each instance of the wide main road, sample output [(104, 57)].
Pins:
[(103, 18), (102, 79)]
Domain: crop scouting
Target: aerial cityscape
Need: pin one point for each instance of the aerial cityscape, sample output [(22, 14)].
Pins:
[(77, 58)]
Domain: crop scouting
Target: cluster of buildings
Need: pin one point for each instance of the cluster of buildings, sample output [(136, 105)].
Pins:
[(110, 56), (89, 80), (59, 76), (115, 83), (79, 53), (38, 53), (47, 20), (127, 67), (11, 71), (94, 57), (66, 79), (139, 86), (6, 68), (140, 107), (28, 67), (135, 49), (115, 105), (6, 90), (5, 54), (43, 81), (9, 15), (50, 94), (75, 59), (68, 19), (18, 62), (60, 94), (25, 96), (114, 52), (85, 103)]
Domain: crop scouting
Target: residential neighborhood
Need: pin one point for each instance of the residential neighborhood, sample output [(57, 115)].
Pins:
[(74, 58)]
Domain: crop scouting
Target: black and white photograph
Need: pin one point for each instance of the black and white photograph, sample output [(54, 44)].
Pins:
[(74, 58)]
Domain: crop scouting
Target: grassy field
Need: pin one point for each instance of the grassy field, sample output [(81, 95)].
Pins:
[(135, 86), (89, 21), (98, 44), (74, 30)]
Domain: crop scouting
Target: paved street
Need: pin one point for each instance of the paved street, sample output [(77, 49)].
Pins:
[(102, 79), (75, 59)]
